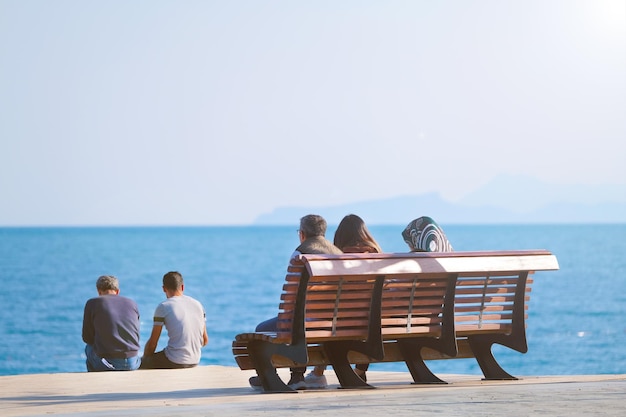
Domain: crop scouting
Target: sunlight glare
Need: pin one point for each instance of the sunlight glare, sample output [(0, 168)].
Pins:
[(608, 17)]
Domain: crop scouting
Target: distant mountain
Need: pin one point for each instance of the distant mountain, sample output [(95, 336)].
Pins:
[(523, 194), (504, 200)]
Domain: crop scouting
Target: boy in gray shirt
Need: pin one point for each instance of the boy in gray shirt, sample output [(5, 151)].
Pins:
[(111, 329)]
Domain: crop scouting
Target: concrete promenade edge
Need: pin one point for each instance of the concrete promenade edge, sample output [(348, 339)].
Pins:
[(224, 391)]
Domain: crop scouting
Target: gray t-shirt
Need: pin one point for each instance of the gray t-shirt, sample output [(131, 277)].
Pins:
[(184, 319), (111, 325)]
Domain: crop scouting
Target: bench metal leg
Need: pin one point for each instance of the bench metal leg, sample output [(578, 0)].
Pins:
[(337, 353), (411, 350), (481, 344), (261, 354), (481, 348)]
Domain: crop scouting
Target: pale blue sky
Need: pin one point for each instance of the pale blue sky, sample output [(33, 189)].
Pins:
[(204, 112)]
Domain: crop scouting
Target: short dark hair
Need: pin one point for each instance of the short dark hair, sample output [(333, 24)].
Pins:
[(107, 282), (173, 280), (313, 225)]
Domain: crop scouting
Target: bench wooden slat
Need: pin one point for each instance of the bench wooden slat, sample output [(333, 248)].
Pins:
[(474, 329), (328, 308), (430, 319), (477, 303), (339, 321), (482, 318), (418, 301)]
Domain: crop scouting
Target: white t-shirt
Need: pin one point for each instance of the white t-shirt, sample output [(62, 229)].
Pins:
[(184, 319)]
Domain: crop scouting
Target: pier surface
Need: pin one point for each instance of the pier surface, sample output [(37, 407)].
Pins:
[(224, 391)]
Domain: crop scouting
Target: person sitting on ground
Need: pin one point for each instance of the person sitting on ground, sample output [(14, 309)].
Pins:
[(185, 321), (111, 329), (351, 236), (312, 234)]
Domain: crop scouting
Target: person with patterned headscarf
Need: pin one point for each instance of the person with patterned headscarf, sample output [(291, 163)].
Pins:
[(425, 235)]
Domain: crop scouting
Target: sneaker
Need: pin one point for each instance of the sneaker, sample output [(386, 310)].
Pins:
[(362, 374), (255, 383), (297, 381), (313, 381)]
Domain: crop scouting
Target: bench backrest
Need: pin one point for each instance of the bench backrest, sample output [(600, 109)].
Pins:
[(288, 299), (491, 302), (412, 303), (336, 306), (339, 291)]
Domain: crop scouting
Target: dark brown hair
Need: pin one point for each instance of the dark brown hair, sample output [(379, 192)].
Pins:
[(352, 231), (173, 280)]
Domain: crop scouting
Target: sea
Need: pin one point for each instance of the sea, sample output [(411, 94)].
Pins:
[(576, 324)]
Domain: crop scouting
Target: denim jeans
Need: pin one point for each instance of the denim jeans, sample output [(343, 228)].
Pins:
[(97, 364), (271, 325)]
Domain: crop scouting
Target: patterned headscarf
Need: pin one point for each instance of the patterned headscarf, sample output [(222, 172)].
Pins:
[(424, 235)]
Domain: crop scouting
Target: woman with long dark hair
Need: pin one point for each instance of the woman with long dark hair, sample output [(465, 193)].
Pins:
[(351, 236)]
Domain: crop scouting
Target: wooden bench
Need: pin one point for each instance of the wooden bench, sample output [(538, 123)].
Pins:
[(411, 307), (333, 306)]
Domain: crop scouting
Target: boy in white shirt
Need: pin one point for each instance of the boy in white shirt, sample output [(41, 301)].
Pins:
[(185, 321)]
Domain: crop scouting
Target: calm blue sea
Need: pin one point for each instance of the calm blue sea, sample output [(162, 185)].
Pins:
[(577, 322)]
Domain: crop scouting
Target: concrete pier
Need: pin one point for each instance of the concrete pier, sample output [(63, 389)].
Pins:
[(224, 391)]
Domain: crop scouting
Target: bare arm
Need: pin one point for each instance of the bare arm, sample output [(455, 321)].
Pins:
[(151, 344), (205, 337)]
